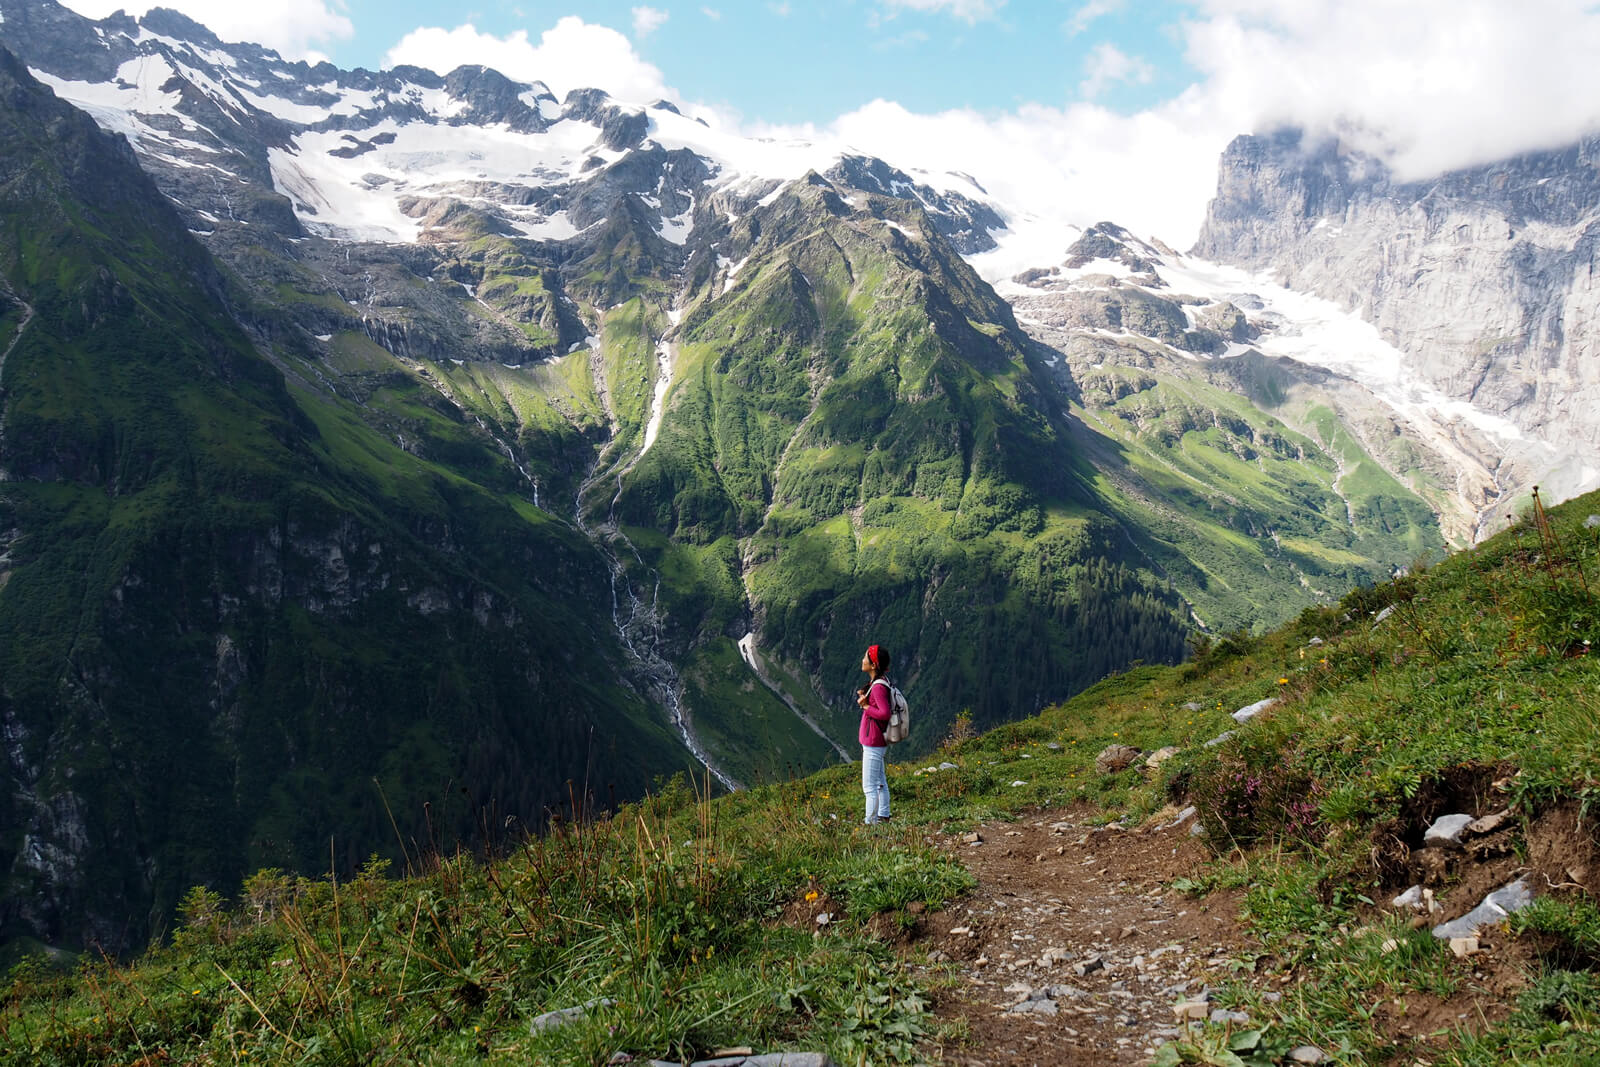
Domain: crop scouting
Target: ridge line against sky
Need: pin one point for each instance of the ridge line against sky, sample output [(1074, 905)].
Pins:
[(1078, 110)]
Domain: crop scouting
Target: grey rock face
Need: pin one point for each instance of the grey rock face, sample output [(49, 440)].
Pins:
[(1481, 277)]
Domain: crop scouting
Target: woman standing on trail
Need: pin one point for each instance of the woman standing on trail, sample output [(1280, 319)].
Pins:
[(876, 707)]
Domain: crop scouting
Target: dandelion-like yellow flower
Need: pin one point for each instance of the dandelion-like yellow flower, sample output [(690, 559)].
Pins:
[(1283, 681), (811, 895)]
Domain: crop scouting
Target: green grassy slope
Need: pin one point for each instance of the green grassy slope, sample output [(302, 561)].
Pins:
[(1476, 691), (233, 607), (854, 417)]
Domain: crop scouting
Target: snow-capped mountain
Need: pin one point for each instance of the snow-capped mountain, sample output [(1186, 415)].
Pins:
[(364, 156), (1480, 283), (239, 137), (1130, 297)]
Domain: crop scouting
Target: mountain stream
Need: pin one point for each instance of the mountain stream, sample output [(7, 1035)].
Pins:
[(637, 619)]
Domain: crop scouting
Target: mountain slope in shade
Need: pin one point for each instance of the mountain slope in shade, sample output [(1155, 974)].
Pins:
[(227, 607)]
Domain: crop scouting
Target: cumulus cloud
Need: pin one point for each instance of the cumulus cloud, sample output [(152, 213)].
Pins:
[(1429, 85), (1109, 65), (573, 54), (1058, 167), (647, 20), (290, 27), (970, 10)]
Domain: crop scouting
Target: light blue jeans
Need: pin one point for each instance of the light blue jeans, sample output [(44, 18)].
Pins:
[(875, 783)]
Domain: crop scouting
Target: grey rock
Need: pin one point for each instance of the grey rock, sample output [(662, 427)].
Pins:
[(1191, 1009), (1221, 1016), (1309, 1054), (1089, 966), (1194, 706), (1250, 711), (1215, 741), (1411, 898), (1068, 992), (1591, 522), (1182, 817), (1114, 758), (1446, 831), (1042, 1006), (947, 766), (1161, 755), (1384, 614), (1489, 823), (1495, 907), (550, 1020)]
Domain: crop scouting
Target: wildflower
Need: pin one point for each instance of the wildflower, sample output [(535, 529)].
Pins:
[(812, 895), (1283, 681)]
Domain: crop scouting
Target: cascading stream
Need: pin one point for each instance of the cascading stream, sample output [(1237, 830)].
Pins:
[(638, 621)]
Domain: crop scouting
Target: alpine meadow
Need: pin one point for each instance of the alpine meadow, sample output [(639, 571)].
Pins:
[(441, 520)]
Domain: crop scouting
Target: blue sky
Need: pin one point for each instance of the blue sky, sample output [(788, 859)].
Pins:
[(812, 61)]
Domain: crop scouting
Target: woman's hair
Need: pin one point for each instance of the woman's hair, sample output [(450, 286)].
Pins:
[(878, 656)]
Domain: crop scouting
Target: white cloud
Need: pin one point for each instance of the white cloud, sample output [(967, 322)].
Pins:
[(291, 27), (1087, 14), (971, 10), (647, 20), (1429, 84), (573, 54), (1152, 172), (711, 13), (1108, 65)]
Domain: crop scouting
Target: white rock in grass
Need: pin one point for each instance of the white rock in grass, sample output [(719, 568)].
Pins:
[(1308, 1054), (1495, 907), (562, 1016), (1250, 711), (1215, 741), (1446, 831), (1411, 898)]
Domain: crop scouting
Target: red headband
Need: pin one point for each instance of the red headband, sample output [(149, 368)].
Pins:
[(872, 655)]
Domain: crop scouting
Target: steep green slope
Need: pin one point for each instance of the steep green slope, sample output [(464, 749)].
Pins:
[(688, 924), (230, 611), (856, 448), (1250, 518)]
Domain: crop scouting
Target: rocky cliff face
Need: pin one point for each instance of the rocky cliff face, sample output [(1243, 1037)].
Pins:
[(1483, 278)]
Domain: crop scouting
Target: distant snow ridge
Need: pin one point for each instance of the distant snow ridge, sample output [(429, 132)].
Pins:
[(1479, 445)]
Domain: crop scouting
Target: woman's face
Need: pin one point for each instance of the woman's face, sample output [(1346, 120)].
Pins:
[(866, 662)]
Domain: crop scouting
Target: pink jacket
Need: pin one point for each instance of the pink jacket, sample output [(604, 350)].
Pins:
[(875, 716)]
